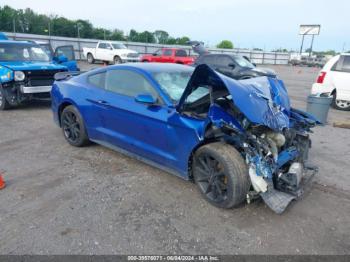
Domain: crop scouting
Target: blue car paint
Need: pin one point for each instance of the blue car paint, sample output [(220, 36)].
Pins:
[(3, 36), (263, 100), (34, 65), (30, 65), (161, 134), (6, 74)]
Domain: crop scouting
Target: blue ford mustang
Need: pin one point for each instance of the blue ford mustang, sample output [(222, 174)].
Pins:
[(235, 139)]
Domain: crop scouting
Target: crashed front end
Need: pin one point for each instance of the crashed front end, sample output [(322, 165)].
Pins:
[(255, 116)]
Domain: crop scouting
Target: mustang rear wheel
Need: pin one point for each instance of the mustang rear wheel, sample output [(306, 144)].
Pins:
[(3, 102), (73, 127), (221, 174)]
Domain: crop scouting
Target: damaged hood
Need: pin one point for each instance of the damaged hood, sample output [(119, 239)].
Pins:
[(31, 65), (262, 100)]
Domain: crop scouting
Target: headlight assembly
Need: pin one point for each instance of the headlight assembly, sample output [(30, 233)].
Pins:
[(19, 76)]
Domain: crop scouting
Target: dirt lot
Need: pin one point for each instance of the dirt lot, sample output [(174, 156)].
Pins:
[(65, 200)]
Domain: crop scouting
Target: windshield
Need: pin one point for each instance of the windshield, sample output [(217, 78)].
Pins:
[(22, 52), (173, 83), (118, 46), (241, 61)]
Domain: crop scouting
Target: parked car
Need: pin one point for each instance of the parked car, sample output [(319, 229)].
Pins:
[(169, 55), (235, 139), (234, 66), (334, 80), (27, 72), (112, 52)]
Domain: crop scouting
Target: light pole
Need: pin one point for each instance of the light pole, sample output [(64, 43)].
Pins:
[(78, 29), (14, 28)]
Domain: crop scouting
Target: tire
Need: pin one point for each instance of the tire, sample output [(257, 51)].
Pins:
[(73, 127), (117, 60), (221, 165), (4, 104), (90, 58), (340, 104)]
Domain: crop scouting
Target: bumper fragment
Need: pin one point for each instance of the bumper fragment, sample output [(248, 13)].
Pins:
[(35, 89)]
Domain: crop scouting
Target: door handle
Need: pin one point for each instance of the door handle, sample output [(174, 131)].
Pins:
[(98, 102), (103, 102)]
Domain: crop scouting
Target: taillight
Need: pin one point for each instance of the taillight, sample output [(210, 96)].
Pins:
[(321, 77)]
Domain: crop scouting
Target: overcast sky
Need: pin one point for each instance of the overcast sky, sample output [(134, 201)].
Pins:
[(265, 24)]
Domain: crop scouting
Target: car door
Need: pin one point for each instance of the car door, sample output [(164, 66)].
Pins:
[(68, 52), (133, 126), (341, 77), (157, 56), (167, 56), (92, 106), (101, 52)]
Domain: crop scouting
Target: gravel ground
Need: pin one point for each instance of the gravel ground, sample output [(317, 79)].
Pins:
[(65, 200)]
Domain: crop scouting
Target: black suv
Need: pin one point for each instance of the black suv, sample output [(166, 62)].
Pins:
[(234, 66)]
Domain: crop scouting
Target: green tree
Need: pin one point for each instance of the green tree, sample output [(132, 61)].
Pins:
[(117, 35), (227, 44), (182, 40), (161, 36), (171, 41)]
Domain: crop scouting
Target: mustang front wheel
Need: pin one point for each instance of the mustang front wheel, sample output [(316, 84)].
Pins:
[(73, 127), (221, 174)]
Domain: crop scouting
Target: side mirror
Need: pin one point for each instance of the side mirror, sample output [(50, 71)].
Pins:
[(60, 59), (145, 99), (254, 64), (232, 65), (110, 48)]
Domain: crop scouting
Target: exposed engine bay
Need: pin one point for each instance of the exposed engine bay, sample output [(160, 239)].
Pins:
[(256, 118)]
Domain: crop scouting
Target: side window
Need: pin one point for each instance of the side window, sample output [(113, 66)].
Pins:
[(102, 45), (168, 52), (346, 64), (128, 83), (224, 60), (181, 53), (97, 80)]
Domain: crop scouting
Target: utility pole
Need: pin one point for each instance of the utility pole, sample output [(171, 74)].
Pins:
[(14, 28), (312, 42), (78, 29), (301, 47)]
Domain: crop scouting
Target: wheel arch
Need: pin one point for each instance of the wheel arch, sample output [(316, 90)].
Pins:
[(62, 106)]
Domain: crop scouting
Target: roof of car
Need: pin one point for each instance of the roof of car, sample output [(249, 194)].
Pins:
[(155, 67)]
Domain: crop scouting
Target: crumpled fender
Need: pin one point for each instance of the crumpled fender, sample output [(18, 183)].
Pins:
[(6, 74), (262, 100)]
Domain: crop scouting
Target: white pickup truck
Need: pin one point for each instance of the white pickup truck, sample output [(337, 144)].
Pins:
[(109, 51)]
